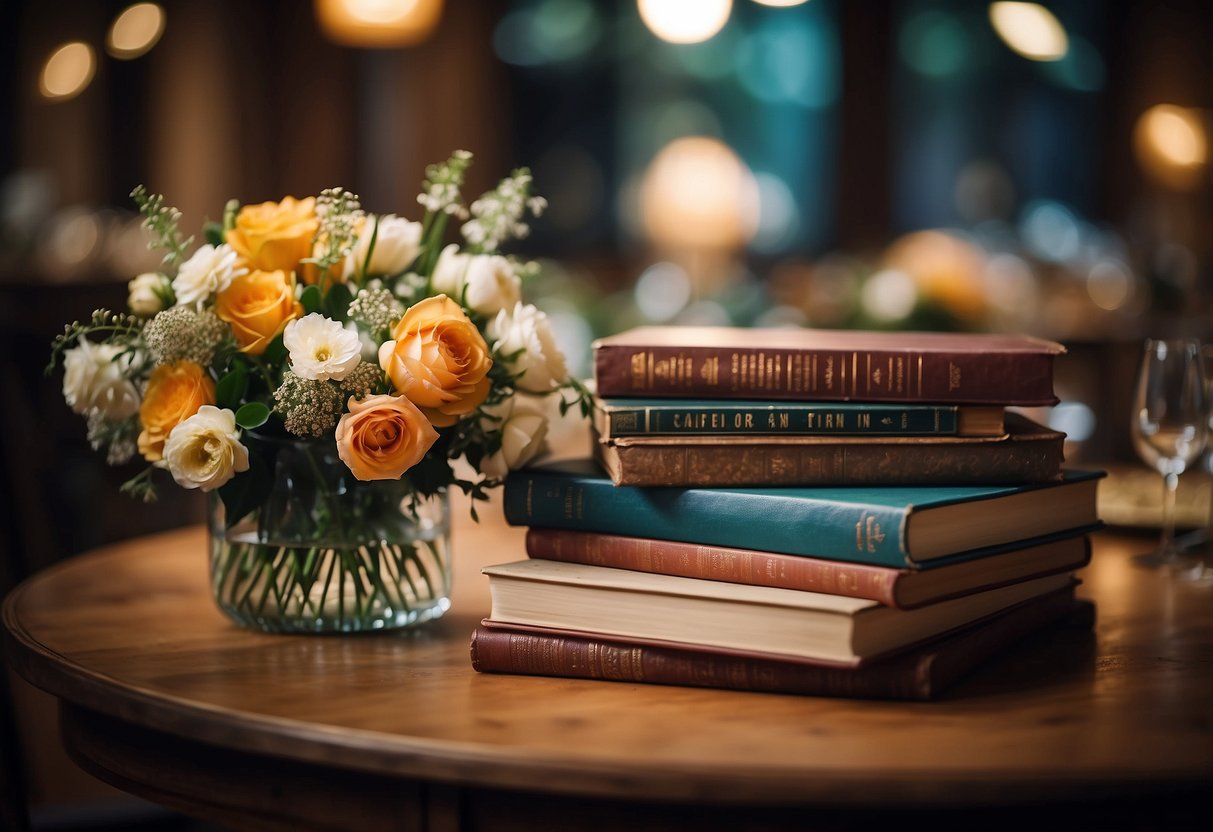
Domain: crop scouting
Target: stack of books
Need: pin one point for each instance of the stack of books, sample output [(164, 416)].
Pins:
[(836, 513)]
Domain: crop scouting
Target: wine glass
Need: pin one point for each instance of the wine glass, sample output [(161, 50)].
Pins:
[(1170, 424)]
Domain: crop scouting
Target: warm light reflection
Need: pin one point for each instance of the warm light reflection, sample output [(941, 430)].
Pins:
[(1172, 144), (67, 71), (945, 269), (135, 31), (697, 194), (378, 24), (684, 21), (1030, 29), (780, 4)]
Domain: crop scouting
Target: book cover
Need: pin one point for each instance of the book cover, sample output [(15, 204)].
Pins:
[(615, 418), (1027, 452), (809, 625), (825, 365), (902, 588), (883, 525), (921, 674)]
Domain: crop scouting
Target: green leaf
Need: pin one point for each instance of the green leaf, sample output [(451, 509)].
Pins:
[(311, 299), (253, 415), (212, 232), (247, 490), (275, 353), (337, 303), (232, 387)]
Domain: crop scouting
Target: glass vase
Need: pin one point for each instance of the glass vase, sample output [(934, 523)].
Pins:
[(325, 552)]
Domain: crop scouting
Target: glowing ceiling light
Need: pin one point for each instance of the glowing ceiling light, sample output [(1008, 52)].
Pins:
[(67, 71), (135, 31), (1172, 144), (382, 24), (685, 21), (1030, 29), (698, 195)]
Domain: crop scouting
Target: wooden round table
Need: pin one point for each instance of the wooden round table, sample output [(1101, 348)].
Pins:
[(163, 696)]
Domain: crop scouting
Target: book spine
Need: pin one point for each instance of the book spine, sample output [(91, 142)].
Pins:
[(825, 464), (499, 651), (825, 528), (792, 420), (715, 563), (826, 375)]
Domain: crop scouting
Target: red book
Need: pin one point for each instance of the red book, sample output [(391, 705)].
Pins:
[(826, 365), (919, 674), (902, 588)]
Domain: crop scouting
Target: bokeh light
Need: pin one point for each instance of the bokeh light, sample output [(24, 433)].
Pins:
[(662, 291), (685, 21), (934, 43), (1172, 144), (1030, 30), (68, 71), (1050, 231), (791, 59), (135, 31), (550, 32), (698, 195), (378, 24), (889, 296), (946, 270), (1110, 285)]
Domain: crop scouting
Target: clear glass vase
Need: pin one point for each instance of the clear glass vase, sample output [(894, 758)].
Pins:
[(326, 552)]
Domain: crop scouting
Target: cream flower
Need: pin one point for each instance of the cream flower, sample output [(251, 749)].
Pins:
[(204, 451), (209, 270), (94, 381), (321, 348), (397, 244), (147, 293), (524, 429), (524, 338), (484, 283)]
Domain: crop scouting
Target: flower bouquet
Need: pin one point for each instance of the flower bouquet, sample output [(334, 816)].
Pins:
[(327, 375)]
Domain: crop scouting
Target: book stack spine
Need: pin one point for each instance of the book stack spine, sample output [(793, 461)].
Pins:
[(707, 458)]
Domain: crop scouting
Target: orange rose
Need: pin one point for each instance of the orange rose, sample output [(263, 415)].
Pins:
[(258, 306), (439, 360), (383, 436), (275, 236), (174, 393)]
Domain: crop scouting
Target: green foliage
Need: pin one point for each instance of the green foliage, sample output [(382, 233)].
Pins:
[(230, 389), (248, 491), (311, 299), (214, 234), (252, 415), (161, 220), (115, 327), (337, 302)]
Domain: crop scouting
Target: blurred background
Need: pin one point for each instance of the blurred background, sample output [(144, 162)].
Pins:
[(911, 164)]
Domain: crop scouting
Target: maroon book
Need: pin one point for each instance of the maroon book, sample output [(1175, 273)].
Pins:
[(919, 674), (826, 365)]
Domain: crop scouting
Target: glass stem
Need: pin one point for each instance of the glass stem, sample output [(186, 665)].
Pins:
[(1170, 484)]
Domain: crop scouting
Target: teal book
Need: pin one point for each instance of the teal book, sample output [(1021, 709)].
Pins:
[(898, 526), (723, 417)]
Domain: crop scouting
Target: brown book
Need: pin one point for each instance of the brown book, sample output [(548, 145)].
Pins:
[(1028, 452), (920, 674), (826, 365), (902, 588)]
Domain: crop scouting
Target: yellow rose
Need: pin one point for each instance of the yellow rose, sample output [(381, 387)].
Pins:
[(174, 393), (257, 306), (383, 436), (275, 236), (439, 360)]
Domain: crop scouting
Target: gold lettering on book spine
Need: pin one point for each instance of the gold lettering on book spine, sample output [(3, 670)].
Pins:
[(953, 377), (868, 533)]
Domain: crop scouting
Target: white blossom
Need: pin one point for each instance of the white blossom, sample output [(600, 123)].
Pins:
[(94, 381), (484, 283), (321, 348), (397, 242), (204, 451), (209, 270), (523, 339), (146, 293), (523, 424)]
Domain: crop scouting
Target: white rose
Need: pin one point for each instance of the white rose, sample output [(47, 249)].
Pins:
[(209, 270), (525, 338), (321, 348), (524, 429), (485, 283), (94, 381), (147, 293), (397, 244), (204, 451)]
